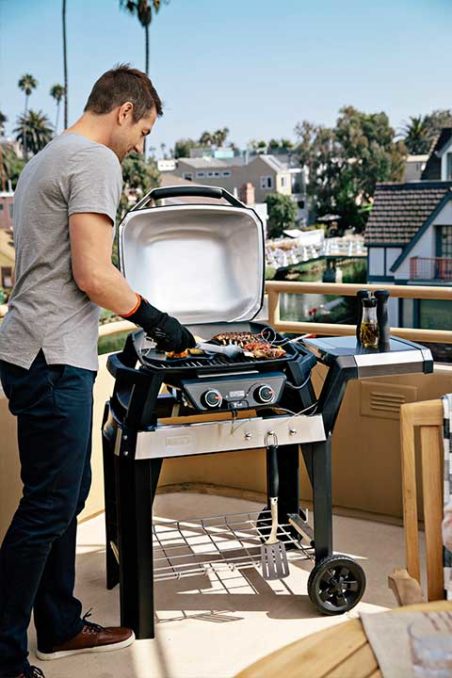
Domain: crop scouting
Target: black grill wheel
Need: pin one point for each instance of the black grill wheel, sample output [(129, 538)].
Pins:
[(336, 584)]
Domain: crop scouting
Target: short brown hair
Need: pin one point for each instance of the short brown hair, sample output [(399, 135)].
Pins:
[(123, 83)]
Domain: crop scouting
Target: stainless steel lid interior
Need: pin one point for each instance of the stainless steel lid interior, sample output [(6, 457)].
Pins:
[(200, 263)]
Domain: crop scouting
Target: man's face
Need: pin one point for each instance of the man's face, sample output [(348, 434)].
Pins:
[(131, 135)]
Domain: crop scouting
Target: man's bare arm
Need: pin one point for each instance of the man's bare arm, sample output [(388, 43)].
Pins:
[(91, 245)]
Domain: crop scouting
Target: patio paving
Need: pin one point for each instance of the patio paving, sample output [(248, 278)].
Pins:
[(213, 625)]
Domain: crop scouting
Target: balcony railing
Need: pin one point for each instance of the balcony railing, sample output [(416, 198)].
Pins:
[(431, 268), (275, 288)]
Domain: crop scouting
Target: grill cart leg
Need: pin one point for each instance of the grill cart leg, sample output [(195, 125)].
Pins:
[(318, 463), (111, 531), (136, 482)]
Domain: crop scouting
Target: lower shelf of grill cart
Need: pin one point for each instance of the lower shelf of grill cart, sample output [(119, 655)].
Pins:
[(197, 546)]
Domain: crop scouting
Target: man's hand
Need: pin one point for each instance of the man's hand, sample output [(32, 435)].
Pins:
[(167, 331)]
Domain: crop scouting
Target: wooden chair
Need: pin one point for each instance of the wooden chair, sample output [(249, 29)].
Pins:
[(428, 416)]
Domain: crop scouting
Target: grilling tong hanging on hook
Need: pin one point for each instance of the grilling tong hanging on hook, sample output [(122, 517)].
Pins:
[(273, 551)]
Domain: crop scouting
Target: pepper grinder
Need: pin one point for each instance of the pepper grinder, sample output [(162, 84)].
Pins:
[(361, 295), (382, 297)]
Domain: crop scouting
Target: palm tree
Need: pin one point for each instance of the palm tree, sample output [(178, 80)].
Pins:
[(143, 9), (3, 119), (206, 139), (27, 84), (57, 92), (34, 130), (415, 135), (220, 136), (65, 63)]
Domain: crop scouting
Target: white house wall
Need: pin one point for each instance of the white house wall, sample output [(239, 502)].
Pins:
[(426, 245), (444, 218), (444, 153), (391, 255), (376, 261)]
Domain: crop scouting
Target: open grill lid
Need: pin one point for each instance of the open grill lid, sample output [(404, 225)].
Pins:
[(202, 263)]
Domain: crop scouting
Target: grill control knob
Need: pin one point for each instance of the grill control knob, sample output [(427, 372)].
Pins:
[(212, 398), (264, 394)]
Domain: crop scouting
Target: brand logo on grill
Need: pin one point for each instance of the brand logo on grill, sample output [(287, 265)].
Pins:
[(178, 442)]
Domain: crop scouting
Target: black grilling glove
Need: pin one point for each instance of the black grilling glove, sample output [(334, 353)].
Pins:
[(166, 331)]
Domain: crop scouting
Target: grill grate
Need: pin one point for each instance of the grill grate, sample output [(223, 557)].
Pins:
[(233, 542), (206, 363)]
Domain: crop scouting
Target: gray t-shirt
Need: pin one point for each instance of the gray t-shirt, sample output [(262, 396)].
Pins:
[(47, 310)]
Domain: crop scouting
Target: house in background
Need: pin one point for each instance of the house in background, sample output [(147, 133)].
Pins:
[(7, 259), (266, 173), (439, 163), (6, 209), (414, 167), (409, 240), (245, 194)]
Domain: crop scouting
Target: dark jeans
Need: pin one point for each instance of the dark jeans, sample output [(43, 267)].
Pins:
[(53, 405)]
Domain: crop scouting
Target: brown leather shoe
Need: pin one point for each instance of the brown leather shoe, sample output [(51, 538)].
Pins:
[(92, 638)]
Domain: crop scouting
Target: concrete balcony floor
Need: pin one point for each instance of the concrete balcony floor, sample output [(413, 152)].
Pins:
[(215, 626)]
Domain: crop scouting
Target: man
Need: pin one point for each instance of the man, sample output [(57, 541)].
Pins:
[(64, 212)]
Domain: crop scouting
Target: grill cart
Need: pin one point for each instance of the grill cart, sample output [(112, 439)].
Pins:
[(204, 263)]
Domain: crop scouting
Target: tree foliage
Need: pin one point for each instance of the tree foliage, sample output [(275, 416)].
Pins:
[(182, 147), (217, 138), (420, 132), (139, 176), (11, 166), (57, 92), (34, 130), (282, 212), (3, 119), (27, 83), (345, 163)]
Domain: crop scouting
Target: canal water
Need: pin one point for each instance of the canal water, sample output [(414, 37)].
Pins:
[(322, 307)]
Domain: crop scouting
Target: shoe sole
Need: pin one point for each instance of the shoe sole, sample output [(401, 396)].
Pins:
[(48, 656)]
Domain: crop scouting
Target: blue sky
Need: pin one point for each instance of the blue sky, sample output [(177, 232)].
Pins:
[(255, 66)]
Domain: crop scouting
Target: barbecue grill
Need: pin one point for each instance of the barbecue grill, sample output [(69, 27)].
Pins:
[(204, 263)]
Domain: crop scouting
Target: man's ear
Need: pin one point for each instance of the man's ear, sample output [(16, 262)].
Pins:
[(125, 112)]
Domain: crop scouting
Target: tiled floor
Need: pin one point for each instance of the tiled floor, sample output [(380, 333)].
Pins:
[(211, 626)]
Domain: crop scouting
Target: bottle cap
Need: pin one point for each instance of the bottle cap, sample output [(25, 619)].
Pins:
[(370, 302)]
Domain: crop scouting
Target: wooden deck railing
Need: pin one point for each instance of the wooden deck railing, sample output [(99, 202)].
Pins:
[(275, 288)]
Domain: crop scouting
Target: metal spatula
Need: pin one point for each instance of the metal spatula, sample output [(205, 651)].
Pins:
[(273, 552)]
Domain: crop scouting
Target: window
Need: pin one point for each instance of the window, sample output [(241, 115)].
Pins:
[(434, 314), (266, 183), (6, 276), (227, 173), (210, 174), (445, 241), (1, 207), (200, 174), (283, 182), (216, 174), (449, 166), (188, 176)]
